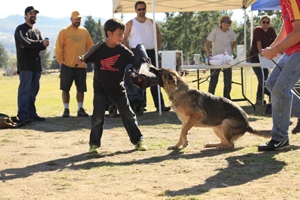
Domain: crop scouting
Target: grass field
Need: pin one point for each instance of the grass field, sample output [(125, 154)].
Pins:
[(49, 101), (49, 160)]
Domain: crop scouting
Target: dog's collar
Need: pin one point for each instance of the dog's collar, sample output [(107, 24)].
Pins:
[(177, 93)]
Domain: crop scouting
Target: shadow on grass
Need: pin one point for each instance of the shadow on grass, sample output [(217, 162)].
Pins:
[(59, 124), (70, 162), (52, 165), (259, 112), (240, 170)]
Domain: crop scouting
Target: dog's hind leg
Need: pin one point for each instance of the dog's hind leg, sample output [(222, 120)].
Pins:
[(221, 132), (184, 131)]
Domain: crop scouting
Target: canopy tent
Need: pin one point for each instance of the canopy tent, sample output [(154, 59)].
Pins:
[(266, 5), (127, 6)]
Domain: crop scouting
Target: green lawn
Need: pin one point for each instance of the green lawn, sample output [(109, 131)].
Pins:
[(49, 102)]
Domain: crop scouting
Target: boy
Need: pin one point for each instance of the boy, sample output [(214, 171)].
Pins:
[(110, 61)]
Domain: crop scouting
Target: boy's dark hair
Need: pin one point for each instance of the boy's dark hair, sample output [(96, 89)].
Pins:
[(112, 25), (139, 2)]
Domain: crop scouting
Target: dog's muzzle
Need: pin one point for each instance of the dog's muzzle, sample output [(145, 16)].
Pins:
[(144, 74), (147, 77)]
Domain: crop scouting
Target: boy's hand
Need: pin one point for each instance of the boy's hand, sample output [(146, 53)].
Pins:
[(269, 53), (78, 60)]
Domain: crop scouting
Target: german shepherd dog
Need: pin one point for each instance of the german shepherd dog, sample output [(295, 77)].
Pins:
[(199, 109)]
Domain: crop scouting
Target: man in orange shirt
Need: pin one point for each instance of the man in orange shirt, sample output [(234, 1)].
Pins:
[(72, 42)]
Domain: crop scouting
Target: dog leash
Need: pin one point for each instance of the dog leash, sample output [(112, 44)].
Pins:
[(280, 68), (231, 66)]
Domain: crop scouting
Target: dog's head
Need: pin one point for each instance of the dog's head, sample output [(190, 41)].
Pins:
[(169, 78)]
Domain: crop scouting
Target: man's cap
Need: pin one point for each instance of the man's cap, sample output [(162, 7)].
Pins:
[(75, 14), (29, 9)]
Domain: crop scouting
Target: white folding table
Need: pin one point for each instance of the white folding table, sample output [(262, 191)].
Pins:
[(224, 67)]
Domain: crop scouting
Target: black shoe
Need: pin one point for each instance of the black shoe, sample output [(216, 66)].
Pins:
[(66, 113), (268, 110), (297, 128), (274, 145), (163, 109), (38, 118), (81, 113), (25, 121)]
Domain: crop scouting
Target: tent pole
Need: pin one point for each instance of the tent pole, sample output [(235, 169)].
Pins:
[(156, 55), (245, 35), (251, 27)]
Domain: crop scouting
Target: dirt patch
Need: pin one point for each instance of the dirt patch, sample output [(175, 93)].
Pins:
[(48, 160)]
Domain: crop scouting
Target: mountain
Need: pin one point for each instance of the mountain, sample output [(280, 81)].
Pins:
[(49, 27)]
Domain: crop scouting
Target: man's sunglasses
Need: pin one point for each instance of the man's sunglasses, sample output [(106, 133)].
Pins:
[(228, 22), (264, 22), (140, 9)]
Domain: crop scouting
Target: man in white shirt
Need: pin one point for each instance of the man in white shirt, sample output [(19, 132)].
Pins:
[(140, 29), (223, 39)]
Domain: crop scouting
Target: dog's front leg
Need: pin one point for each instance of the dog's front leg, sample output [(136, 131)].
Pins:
[(184, 131), (176, 146)]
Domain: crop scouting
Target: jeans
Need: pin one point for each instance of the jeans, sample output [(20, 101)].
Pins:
[(28, 89), (258, 73), (126, 113), (284, 101), (214, 81)]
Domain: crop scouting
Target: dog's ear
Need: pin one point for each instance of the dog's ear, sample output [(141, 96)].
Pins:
[(172, 79)]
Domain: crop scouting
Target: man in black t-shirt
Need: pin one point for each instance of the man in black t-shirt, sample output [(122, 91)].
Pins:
[(29, 43)]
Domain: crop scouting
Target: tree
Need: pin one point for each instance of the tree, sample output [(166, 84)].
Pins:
[(54, 63), (3, 57), (45, 59), (188, 31), (95, 28)]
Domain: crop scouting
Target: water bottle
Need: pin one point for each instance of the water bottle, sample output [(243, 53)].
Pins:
[(207, 61)]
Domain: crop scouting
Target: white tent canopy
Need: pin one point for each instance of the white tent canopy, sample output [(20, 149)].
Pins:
[(127, 6)]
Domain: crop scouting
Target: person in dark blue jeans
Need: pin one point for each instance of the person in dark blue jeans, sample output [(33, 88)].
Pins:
[(29, 43)]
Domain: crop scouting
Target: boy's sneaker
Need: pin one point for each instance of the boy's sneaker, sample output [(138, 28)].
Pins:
[(140, 146), (274, 145), (66, 113), (81, 113), (297, 128), (94, 149)]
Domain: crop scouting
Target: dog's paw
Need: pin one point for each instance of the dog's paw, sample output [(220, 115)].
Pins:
[(208, 145), (220, 148), (172, 147), (185, 144)]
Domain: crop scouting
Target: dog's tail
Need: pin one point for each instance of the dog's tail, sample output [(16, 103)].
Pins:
[(260, 133)]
